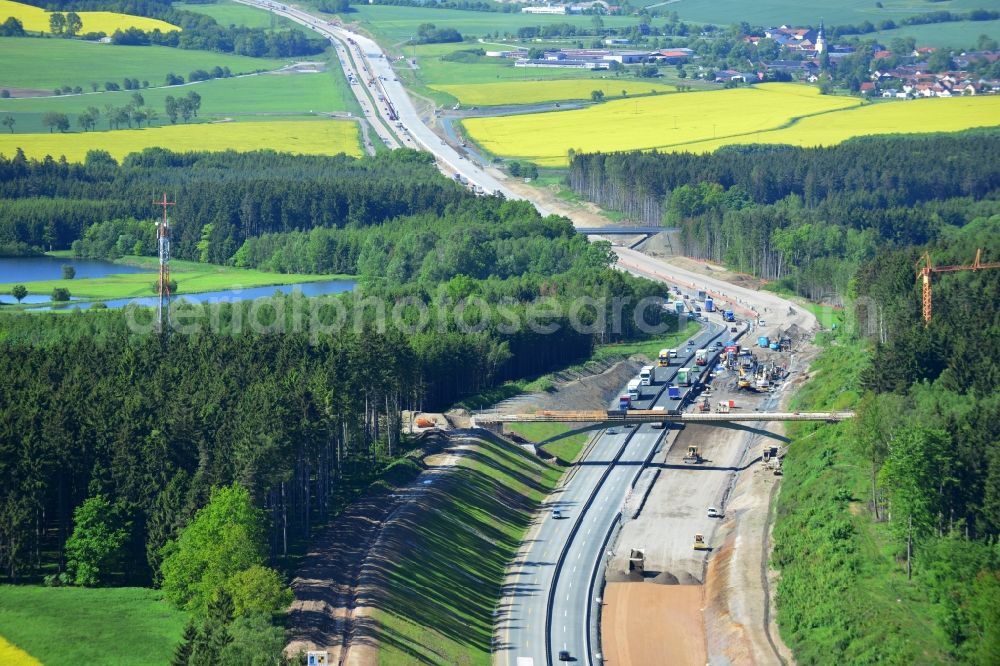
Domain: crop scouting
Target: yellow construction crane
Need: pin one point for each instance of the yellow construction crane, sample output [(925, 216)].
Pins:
[(928, 268)]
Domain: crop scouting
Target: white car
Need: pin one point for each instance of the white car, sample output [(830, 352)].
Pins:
[(557, 514), (713, 512)]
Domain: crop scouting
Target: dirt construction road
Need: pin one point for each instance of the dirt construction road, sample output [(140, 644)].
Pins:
[(672, 612), (736, 624)]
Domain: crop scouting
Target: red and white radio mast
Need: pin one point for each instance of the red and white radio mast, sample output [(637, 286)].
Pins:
[(163, 284)]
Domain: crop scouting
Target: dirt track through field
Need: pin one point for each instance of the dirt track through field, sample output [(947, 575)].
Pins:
[(651, 624)]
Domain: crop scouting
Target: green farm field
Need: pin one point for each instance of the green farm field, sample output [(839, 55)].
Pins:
[(43, 64), (301, 137), (704, 121), (395, 25), (192, 278), (228, 13), (777, 12), (532, 92), (72, 625), (959, 35), (242, 97)]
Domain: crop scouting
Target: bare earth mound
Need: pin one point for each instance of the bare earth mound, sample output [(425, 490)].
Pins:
[(652, 624)]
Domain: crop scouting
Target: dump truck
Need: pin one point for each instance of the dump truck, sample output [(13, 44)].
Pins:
[(693, 457)]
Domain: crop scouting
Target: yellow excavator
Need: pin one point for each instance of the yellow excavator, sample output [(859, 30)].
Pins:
[(699, 542)]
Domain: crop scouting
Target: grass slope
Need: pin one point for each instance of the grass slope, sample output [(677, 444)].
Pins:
[(192, 277), (533, 92), (47, 63), (243, 97), (443, 584), (111, 626), (566, 449), (302, 137), (36, 19), (841, 597), (228, 13), (704, 121)]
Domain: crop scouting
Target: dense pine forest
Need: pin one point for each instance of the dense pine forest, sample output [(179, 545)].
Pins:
[(272, 411), (806, 216)]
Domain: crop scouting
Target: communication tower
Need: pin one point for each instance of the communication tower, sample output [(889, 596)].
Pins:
[(163, 283)]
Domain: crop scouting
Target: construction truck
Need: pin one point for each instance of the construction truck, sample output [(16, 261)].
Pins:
[(699, 542), (663, 360), (744, 381), (692, 457)]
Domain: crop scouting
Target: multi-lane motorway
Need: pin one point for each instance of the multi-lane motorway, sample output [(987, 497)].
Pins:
[(365, 56), (548, 607)]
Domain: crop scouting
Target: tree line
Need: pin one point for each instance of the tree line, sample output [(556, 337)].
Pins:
[(48, 204), (807, 216), (198, 31)]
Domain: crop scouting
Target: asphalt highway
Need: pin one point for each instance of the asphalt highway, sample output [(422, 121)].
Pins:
[(411, 131), (545, 611)]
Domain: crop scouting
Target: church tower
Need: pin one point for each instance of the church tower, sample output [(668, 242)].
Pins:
[(820, 39)]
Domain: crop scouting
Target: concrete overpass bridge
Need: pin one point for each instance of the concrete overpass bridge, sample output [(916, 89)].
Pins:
[(615, 417), (624, 231)]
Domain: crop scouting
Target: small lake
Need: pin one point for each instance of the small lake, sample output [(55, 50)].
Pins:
[(30, 269), (322, 288), (33, 269)]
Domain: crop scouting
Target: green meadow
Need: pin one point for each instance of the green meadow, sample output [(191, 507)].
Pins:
[(228, 13), (43, 64), (778, 12), (74, 625), (248, 97), (394, 25)]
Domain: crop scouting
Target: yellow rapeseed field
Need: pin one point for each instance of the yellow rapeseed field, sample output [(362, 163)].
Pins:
[(913, 117), (12, 655), (703, 121), (535, 92), (308, 137), (662, 122), (36, 19)]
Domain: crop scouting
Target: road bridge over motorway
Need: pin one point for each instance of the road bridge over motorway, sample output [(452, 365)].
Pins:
[(624, 231), (613, 417)]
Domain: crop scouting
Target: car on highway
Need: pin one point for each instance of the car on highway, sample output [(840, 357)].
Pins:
[(611, 431), (761, 322), (564, 655), (690, 343), (732, 329), (557, 514), (718, 344), (713, 512)]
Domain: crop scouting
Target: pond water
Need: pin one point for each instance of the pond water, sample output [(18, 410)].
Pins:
[(32, 269), (322, 288)]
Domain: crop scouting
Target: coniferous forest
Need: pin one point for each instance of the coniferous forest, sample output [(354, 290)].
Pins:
[(806, 216)]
